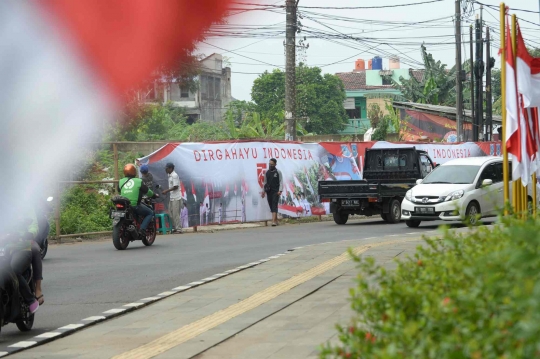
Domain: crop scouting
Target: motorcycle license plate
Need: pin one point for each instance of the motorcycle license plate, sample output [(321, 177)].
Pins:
[(117, 214)]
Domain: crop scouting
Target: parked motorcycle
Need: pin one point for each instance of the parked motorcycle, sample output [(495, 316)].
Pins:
[(43, 224), (13, 308), (126, 223)]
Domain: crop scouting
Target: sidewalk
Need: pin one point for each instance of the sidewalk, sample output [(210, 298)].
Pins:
[(284, 308)]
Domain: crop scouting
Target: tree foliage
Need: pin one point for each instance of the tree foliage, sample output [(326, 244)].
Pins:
[(319, 99), (437, 86)]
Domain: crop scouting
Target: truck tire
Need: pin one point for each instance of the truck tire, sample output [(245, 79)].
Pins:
[(384, 216), (395, 212), (413, 223), (341, 218)]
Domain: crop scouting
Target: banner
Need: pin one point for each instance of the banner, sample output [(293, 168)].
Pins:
[(230, 174)]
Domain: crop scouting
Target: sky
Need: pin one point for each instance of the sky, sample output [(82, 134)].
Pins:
[(252, 41)]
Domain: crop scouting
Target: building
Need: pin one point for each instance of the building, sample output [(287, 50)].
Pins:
[(209, 102), (365, 86)]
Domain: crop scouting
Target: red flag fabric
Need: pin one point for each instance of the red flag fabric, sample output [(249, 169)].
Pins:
[(193, 191)]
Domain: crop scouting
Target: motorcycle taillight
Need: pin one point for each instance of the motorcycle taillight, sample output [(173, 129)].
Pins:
[(118, 205)]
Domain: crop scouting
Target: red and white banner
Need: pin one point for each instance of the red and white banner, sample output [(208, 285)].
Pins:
[(214, 169)]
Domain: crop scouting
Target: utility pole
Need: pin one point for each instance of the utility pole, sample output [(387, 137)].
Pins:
[(479, 70), (290, 70), (473, 109), (489, 110), (459, 83)]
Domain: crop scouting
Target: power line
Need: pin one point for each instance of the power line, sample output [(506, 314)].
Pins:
[(368, 7)]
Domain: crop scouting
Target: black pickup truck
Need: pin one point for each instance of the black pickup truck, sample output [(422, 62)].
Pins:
[(388, 174)]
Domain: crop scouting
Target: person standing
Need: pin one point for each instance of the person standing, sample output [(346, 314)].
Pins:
[(184, 217), (207, 212), (243, 211), (147, 177), (273, 187), (201, 214), (220, 209), (174, 197)]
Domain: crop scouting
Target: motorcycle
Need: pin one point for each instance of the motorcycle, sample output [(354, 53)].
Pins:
[(13, 308), (43, 224), (126, 223)]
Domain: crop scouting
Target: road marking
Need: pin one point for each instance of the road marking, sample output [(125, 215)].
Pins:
[(2, 354), (182, 287), (114, 311), (23, 344), (166, 294), (72, 326), (48, 335), (94, 318), (151, 298), (202, 325)]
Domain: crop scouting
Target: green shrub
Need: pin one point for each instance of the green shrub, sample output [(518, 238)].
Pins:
[(464, 296)]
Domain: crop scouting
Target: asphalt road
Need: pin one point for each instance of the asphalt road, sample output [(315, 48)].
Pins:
[(86, 279)]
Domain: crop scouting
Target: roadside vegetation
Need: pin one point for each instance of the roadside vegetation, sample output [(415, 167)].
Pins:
[(462, 296)]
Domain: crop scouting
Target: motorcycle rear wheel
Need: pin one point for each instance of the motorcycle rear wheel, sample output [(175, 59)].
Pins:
[(120, 239), (26, 324), (150, 234)]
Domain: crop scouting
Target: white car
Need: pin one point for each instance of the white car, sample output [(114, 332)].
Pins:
[(467, 188)]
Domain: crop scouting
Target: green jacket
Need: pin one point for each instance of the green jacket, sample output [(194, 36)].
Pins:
[(133, 189)]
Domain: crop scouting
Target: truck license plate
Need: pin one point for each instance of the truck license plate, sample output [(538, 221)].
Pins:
[(350, 202), (424, 210)]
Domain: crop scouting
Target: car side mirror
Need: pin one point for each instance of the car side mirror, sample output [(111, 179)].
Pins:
[(418, 181), (487, 182)]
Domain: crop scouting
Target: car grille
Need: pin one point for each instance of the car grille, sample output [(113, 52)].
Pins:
[(427, 199)]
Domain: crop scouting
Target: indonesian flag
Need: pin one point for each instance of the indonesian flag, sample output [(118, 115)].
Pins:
[(513, 135), (206, 200), (528, 79), (528, 74), (297, 183), (308, 181), (193, 191), (65, 67), (244, 186), (183, 193), (235, 189), (226, 191)]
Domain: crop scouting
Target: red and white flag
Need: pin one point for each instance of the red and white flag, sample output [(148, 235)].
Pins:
[(193, 191), (244, 187), (515, 123), (235, 189), (298, 183), (226, 194), (183, 193), (528, 83), (65, 66)]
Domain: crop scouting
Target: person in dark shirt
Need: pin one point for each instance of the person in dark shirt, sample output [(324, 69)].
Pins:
[(273, 186)]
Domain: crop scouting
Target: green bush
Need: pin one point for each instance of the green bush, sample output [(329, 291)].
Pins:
[(464, 296)]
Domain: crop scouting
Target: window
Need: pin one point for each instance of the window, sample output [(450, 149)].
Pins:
[(426, 166), (395, 161), (454, 174), (184, 92), (354, 114), (492, 172)]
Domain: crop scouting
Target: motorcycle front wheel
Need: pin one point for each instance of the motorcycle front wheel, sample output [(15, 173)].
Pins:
[(43, 249), (120, 237)]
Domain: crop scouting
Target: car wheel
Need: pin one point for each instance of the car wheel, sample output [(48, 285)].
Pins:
[(341, 218), (472, 214), (413, 223), (395, 212)]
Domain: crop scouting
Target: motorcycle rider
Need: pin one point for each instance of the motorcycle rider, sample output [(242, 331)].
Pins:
[(133, 189)]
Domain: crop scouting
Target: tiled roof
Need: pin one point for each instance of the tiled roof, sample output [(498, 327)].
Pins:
[(357, 80)]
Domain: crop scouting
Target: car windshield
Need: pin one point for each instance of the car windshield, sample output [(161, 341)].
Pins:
[(452, 175)]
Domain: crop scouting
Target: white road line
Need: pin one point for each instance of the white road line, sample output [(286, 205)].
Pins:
[(23, 344), (47, 335), (182, 288), (114, 311), (166, 294), (151, 298), (72, 326), (94, 318), (133, 305)]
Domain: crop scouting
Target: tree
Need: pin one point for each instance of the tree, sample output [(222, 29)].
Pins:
[(319, 99), (437, 86), (534, 51)]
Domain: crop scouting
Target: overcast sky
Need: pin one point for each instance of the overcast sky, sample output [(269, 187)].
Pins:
[(382, 31)]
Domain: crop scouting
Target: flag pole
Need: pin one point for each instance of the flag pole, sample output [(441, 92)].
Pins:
[(522, 190), (506, 177)]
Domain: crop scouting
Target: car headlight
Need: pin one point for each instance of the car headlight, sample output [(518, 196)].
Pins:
[(455, 195), (408, 195)]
